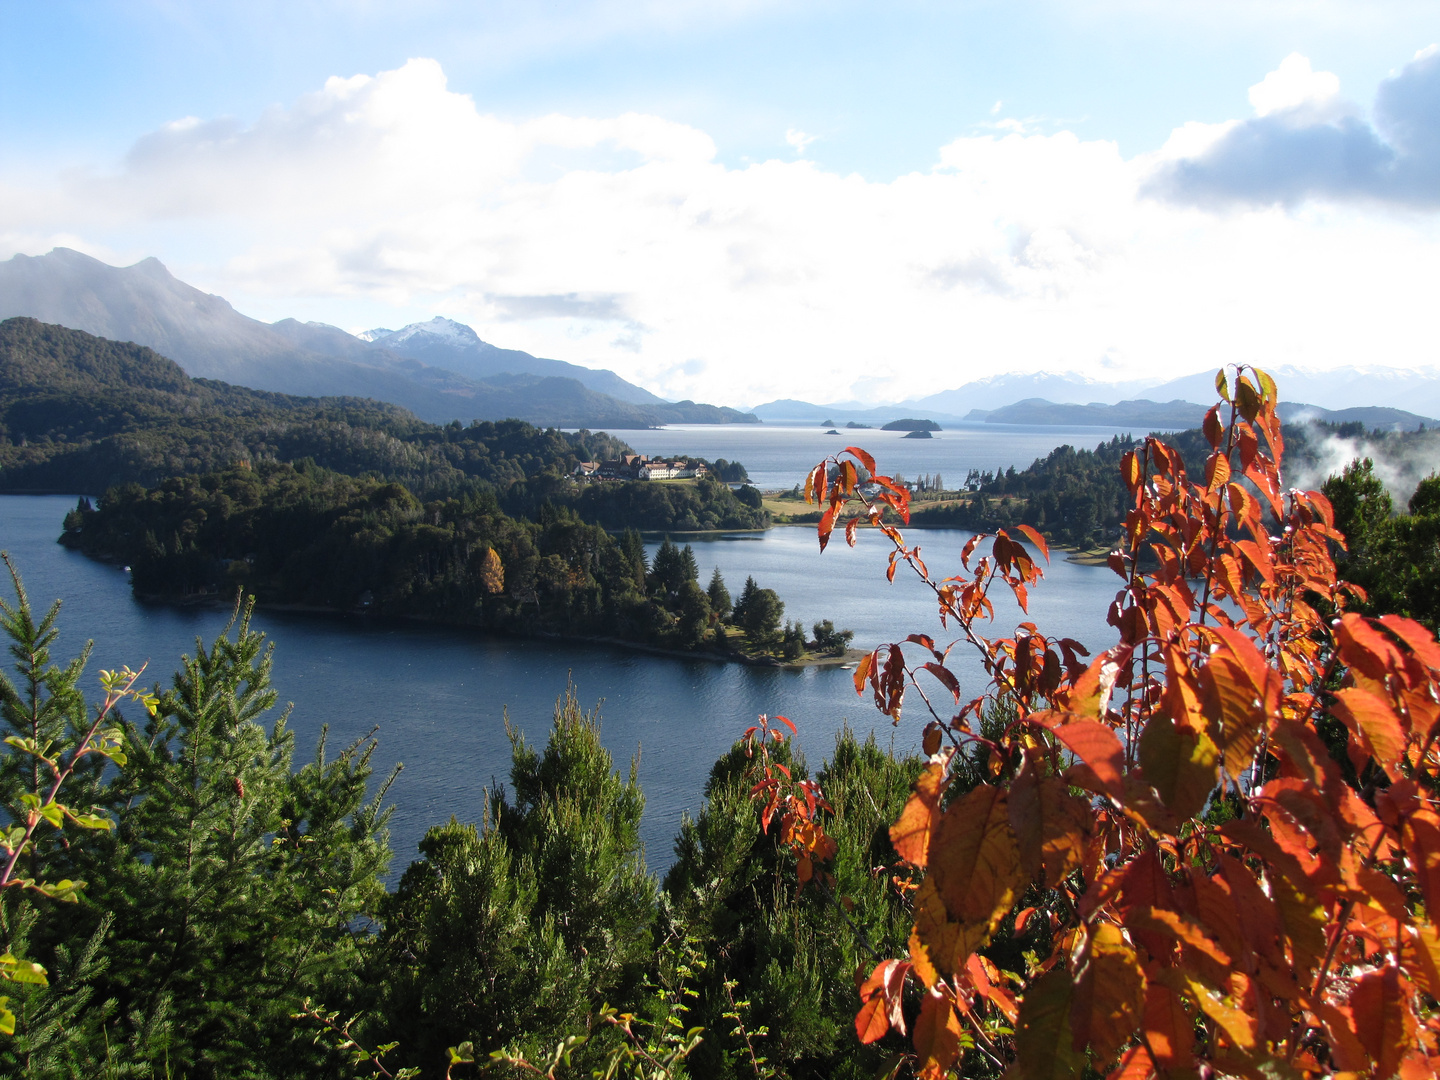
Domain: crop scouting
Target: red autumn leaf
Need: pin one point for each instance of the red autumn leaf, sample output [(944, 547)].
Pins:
[(865, 458), (946, 677), (1096, 745), (1372, 719), (1212, 427), (826, 526), (1035, 538)]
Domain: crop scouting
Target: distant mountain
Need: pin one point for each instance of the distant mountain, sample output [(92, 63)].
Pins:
[(1140, 414), (447, 344), (998, 391), (145, 304), (1415, 389)]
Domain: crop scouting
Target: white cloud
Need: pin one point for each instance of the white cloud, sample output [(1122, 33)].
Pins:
[(799, 140), (623, 241), (1294, 87)]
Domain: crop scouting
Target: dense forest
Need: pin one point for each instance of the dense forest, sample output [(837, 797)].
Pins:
[(310, 536), (233, 920)]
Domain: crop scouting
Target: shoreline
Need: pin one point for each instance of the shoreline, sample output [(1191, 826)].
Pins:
[(848, 659)]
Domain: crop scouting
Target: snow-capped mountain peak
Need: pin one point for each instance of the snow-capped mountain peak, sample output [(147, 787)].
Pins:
[(447, 331), (375, 335)]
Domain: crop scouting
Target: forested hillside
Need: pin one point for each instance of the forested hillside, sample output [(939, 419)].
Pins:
[(81, 413)]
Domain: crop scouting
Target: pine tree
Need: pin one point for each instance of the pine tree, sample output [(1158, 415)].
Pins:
[(719, 595), (510, 933), (236, 885)]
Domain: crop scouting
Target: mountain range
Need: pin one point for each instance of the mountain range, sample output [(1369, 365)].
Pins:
[(440, 370), (1368, 395)]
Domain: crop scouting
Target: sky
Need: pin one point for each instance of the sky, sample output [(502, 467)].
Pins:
[(735, 201)]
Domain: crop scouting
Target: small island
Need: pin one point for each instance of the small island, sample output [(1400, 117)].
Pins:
[(911, 425), (919, 434), (856, 426), (832, 431)]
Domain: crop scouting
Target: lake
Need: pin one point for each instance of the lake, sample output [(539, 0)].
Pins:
[(439, 696), (779, 456)]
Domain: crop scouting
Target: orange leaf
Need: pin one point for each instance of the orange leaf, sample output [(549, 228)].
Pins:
[(1051, 826), (1217, 472), (1109, 993), (871, 1022), (1380, 1004), (974, 872), (1135, 1064), (1096, 745), (1421, 641), (1169, 1031), (1422, 844), (1373, 720), (937, 1036), (911, 834)]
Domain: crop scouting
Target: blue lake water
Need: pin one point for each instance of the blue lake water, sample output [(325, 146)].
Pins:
[(439, 696), (777, 456)]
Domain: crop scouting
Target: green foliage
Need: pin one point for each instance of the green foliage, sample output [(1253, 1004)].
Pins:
[(829, 640), (718, 595), (1394, 557), (781, 962), (232, 887), (758, 612), (510, 934)]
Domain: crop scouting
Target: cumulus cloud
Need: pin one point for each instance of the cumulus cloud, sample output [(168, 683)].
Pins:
[(624, 241), (1306, 141)]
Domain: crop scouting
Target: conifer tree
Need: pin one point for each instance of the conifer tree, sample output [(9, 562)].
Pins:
[(237, 887), (510, 933), (719, 595)]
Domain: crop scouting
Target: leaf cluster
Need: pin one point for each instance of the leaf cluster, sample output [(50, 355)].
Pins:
[(1201, 880)]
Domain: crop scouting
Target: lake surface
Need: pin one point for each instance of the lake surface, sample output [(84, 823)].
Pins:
[(439, 696), (779, 456)]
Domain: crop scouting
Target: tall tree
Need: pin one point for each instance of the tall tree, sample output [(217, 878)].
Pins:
[(719, 595), (237, 886)]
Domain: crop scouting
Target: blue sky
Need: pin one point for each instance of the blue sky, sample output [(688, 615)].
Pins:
[(965, 187)]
